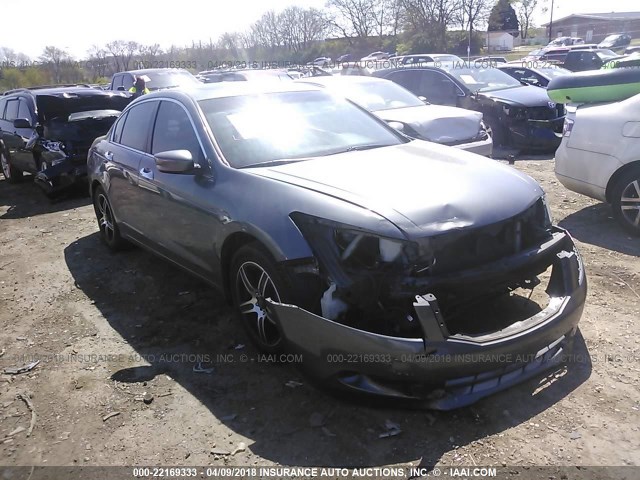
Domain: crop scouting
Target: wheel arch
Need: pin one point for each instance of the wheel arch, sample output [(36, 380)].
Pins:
[(231, 245), (635, 165)]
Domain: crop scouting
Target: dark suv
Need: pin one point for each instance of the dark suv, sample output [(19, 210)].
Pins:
[(156, 78), (47, 131)]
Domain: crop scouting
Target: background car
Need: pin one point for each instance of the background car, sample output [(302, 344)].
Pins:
[(518, 115), (403, 110), (247, 75), (582, 60), (616, 40), (156, 78), (47, 132), (600, 157), (491, 60), (422, 58), (332, 232), (537, 77), (376, 56), (565, 41)]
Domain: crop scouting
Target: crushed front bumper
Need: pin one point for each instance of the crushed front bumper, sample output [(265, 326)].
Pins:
[(537, 134), (61, 176), (445, 371)]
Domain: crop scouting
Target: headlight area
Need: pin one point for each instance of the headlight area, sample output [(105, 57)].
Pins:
[(358, 268), (481, 278)]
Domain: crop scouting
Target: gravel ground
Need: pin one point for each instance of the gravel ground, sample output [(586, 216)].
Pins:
[(119, 337)]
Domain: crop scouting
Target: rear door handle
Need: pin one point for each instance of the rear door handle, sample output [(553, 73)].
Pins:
[(146, 173), (108, 156)]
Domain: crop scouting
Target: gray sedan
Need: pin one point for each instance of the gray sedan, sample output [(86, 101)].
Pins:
[(395, 267)]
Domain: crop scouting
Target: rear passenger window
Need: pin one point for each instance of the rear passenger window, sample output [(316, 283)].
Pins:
[(117, 130), (135, 132), (3, 105), (173, 131)]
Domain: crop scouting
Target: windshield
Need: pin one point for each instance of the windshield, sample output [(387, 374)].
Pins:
[(606, 54), (267, 128), (479, 79), (376, 96), (554, 72), (169, 79), (610, 39)]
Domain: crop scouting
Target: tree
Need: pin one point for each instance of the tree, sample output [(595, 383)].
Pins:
[(353, 18), (525, 9), (54, 57), (471, 13), (427, 22), (503, 18)]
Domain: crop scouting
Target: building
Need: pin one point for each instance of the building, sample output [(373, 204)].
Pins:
[(498, 42), (594, 27)]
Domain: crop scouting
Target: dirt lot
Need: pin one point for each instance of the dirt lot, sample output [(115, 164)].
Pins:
[(109, 328)]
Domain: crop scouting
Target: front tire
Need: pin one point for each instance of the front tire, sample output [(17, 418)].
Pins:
[(253, 278), (499, 132), (626, 201), (109, 231), (12, 174)]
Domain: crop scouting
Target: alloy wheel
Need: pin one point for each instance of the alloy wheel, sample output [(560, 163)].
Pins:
[(105, 218), (630, 203), (6, 169), (253, 287)]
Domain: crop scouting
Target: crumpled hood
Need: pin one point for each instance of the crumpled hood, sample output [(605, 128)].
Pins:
[(62, 105), (437, 123), (524, 96), (423, 188)]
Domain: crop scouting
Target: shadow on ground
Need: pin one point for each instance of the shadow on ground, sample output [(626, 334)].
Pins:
[(25, 199), (164, 313), (595, 225)]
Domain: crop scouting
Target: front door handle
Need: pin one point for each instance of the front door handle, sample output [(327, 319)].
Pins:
[(146, 173)]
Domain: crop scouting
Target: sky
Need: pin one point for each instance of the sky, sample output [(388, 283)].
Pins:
[(75, 25)]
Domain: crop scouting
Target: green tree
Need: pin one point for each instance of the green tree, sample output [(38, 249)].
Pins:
[(504, 18)]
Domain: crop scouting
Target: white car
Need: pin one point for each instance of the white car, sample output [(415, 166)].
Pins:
[(600, 157)]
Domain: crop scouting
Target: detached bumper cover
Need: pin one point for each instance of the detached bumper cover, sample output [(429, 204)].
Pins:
[(61, 176), (540, 134), (440, 370)]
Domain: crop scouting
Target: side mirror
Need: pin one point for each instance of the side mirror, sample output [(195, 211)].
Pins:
[(22, 123), (174, 161), (120, 88), (396, 125)]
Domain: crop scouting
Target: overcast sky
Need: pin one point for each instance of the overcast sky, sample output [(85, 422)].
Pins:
[(74, 25)]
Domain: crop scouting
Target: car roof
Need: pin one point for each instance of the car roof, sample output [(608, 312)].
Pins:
[(329, 81), (62, 91), (208, 91), (152, 70)]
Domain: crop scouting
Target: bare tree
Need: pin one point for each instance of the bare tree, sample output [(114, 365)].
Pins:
[(432, 17), (473, 12), (98, 58), (117, 49), (353, 18), (54, 57), (525, 9)]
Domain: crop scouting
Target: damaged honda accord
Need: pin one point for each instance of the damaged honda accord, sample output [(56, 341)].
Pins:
[(394, 267)]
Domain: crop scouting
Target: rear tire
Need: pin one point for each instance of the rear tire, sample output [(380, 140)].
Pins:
[(109, 231), (626, 201), (12, 174)]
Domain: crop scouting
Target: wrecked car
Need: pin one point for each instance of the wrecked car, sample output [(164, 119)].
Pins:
[(47, 132), (518, 115), (394, 267), (404, 111)]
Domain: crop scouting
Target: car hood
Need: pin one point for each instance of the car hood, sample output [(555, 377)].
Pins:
[(437, 123), (52, 106), (524, 96), (423, 188)]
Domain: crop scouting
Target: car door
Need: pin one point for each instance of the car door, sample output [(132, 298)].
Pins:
[(177, 205), (19, 141), (130, 138)]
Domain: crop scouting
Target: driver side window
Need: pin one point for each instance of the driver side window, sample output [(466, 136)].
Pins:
[(174, 131)]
